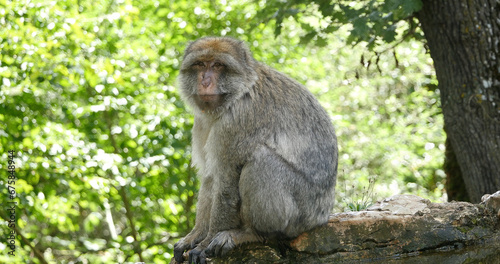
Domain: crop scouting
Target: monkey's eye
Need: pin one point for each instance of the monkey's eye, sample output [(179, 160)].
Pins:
[(199, 63), (218, 64)]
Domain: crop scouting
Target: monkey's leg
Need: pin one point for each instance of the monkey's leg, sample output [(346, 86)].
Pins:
[(283, 196), (267, 204), (201, 227), (270, 191)]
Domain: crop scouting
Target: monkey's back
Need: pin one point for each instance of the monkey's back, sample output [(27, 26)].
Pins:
[(301, 129)]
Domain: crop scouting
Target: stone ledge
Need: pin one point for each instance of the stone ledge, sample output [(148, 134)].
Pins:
[(399, 227)]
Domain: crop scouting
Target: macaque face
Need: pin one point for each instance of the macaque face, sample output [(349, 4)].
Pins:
[(215, 73), (209, 95)]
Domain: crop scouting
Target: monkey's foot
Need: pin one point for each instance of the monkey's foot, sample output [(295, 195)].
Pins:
[(221, 244), (226, 240)]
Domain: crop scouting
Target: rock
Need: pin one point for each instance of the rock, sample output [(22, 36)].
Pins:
[(401, 205), (389, 227), (492, 202)]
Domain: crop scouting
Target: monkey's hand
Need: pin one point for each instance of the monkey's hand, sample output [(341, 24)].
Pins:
[(179, 249), (186, 243)]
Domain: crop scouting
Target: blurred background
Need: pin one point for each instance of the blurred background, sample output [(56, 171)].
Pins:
[(89, 105)]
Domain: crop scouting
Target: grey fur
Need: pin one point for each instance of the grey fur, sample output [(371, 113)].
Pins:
[(267, 157)]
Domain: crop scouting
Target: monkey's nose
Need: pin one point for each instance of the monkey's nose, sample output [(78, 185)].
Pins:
[(206, 82)]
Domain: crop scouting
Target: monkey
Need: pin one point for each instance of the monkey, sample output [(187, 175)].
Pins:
[(264, 148)]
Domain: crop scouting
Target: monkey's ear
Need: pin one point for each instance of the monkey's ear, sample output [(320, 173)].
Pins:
[(246, 54)]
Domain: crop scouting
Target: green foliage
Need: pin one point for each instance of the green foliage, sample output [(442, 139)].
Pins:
[(98, 130), (373, 21), (88, 103)]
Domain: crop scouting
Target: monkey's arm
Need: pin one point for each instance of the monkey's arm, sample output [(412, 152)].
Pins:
[(204, 206), (200, 229), (224, 213)]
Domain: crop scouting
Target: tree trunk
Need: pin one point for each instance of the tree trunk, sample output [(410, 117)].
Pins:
[(464, 41), (455, 185)]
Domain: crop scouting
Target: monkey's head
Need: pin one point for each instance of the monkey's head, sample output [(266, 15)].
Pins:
[(216, 72)]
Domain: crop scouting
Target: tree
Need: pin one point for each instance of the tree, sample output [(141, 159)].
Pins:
[(463, 38)]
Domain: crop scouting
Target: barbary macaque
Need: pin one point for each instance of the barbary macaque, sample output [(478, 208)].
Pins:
[(265, 150)]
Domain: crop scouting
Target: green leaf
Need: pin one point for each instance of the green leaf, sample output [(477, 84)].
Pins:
[(411, 6), (389, 35)]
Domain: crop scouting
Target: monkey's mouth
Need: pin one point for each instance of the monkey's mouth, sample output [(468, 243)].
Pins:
[(209, 102), (210, 97)]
